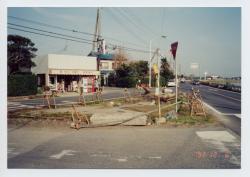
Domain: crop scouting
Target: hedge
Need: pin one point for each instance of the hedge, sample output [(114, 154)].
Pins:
[(22, 85), (126, 82)]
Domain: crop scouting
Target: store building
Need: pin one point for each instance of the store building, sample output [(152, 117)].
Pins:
[(106, 66), (66, 72)]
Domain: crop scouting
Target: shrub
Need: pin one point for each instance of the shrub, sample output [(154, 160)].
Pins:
[(22, 85), (126, 82)]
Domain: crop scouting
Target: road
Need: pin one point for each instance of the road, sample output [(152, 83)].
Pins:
[(119, 147), (123, 148), (225, 103), (38, 102)]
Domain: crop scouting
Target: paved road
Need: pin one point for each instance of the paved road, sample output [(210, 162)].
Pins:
[(225, 103), (32, 103), (123, 147)]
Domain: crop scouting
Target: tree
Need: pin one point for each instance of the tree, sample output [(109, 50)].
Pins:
[(166, 73), (20, 52), (140, 69)]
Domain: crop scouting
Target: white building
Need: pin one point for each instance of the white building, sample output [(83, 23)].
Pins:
[(68, 70), (106, 66)]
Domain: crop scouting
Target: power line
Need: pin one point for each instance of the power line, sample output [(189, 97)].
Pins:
[(48, 35), (69, 39), (125, 26), (126, 16), (49, 32), (65, 29), (51, 26), (139, 21)]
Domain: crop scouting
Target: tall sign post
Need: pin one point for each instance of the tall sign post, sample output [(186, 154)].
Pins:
[(173, 51)]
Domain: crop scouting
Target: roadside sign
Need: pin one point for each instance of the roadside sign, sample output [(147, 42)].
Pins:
[(194, 65)]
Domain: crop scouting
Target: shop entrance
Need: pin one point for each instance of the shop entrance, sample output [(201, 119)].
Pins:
[(72, 83)]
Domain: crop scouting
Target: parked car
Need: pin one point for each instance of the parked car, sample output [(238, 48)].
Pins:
[(171, 83), (196, 82), (183, 80)]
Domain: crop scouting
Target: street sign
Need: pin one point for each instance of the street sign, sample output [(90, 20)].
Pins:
[(194, 65), (155, 68)]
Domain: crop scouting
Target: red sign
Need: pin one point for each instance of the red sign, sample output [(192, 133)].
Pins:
[(174, 48)]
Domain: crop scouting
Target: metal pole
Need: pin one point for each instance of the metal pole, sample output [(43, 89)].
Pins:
[(199, 71), (176, 87), (150, 65), (158, 84)]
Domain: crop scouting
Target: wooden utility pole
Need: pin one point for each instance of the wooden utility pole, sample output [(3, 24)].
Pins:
[(158, 84), (97, 34)]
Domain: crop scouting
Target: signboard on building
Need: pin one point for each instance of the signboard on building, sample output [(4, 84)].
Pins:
[(194, 65), (73, 72)]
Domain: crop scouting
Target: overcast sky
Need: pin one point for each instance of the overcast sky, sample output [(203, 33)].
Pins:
[(208, 36)]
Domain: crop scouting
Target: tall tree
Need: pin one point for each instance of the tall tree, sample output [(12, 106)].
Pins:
[(166, 73), (140, 69), (20, 52)]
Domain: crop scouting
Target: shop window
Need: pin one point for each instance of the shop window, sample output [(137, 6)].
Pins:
[(52, 80), (104, 65)]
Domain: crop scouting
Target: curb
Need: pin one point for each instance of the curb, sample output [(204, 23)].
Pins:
[(221, 118)]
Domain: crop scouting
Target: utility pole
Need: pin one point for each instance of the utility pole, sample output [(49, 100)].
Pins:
[(176, 87), (150, 66), (158, 83), (97, 34)]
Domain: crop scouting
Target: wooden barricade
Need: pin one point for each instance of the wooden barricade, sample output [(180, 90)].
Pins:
[(196, 104), (98, 96), (47, 97), (81, 99), (78, 118), (126, 94)]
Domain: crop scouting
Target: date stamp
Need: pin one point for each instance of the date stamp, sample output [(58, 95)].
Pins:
[(212, 155)]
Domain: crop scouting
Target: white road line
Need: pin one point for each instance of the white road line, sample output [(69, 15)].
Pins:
[(225, 96), (218, 112), (238, 115), (221, 89), (122, 160), (154, 157), (62, 153), (210, 107)]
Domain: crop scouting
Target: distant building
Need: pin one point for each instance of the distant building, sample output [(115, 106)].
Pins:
[(67, 71), (106, 66)]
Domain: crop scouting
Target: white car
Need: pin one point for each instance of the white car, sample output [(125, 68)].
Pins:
[(171, 83)]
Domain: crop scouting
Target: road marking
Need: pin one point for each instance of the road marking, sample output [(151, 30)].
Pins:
[(122, 160), (232, 114), (63, 153), (218, 112), (222, 89), (220, 139), (12, 151), (210, 107), (225, 96), (238, 115), (154, 157)]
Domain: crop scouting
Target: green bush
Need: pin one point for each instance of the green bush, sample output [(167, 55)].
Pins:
[(22, 85), (127, 82)]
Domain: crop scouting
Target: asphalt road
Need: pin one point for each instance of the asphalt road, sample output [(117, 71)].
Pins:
[(32, 103), (123, 148), (225, 103)]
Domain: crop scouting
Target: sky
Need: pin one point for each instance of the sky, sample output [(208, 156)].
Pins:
[(209, 36)]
